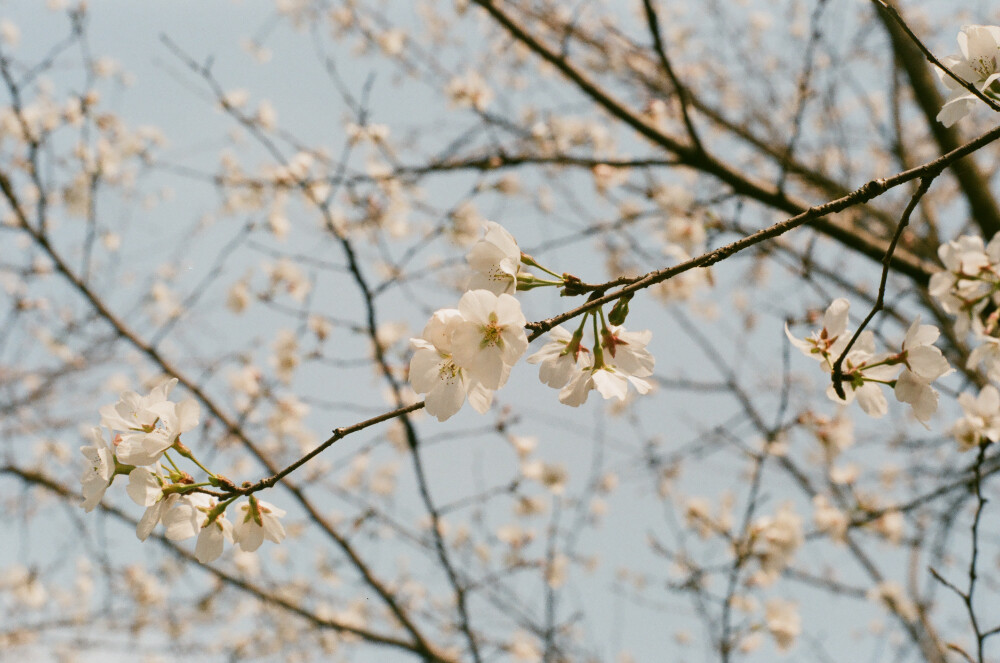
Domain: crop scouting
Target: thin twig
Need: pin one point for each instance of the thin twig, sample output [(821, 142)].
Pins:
[(904, 220)]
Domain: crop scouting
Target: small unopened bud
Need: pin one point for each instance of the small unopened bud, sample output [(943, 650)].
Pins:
[(620, 310)]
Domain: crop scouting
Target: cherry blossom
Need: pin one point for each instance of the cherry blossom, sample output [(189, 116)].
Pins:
[(867, 370), (144, 447), (185, 516), (977, 64), (988, 353), (495, 260), (146, 489), (830, 340), (981, 420), (490, 337), (99, 471), (212, 538), (864, 371), (257, 520), (559, 357), (969, 279), (924, 363), (574, 393), (433, 370), (783, 622), (628, 350), (132, 412)]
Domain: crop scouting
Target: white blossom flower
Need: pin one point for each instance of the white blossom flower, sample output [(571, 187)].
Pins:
[(987, 352), (977, 64), (100, 469), (924, 363), (981, 420), (258, 520), (144, 447), (495, 260), (558, 358), (918, 394), (212, 538), (574, 393), (919, 354), (969, 281), (468, 90), (612, 382), (433, 370), (829, 342), (145, 489), (490, 337), (628, 350), (869, 371), (132, 412), (185, 516)]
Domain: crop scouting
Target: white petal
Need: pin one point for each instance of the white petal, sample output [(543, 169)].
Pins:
[(610, 384), (835, 318), (476, 305), (446, 398), (872, 400), (188, 412), (210, 544), (143, 487), (149, 520)]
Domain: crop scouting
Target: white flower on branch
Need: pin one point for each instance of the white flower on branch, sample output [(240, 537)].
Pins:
[(132, 412), (146, 489), (495, 260), (490, 337), (184, 518), (469, 90), (783, 622), (774, 541), (969, 280), (99, 471), (864, 371), (977, 64), (924, 363), (258, 520), (144, 447), (433, 370), (559, 357), (981, 420), (830, 340), (212, 538)]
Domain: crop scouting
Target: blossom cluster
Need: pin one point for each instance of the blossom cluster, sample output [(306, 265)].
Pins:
[(865, 372), (969, 288), (466, 353), (144, 430), (619, 358)]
